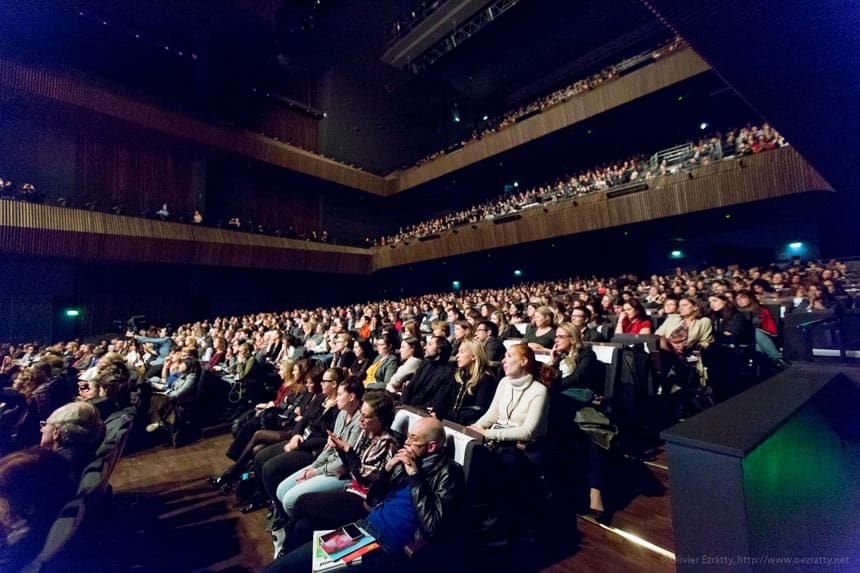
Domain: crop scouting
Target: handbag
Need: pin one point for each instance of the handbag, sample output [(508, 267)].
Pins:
[(597, 426), (274, 419)]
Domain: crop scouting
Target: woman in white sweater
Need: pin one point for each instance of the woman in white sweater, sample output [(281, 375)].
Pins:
[(516, 423), (520, 407)]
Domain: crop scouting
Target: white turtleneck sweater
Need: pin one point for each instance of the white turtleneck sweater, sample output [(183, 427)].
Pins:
[(520, 404)]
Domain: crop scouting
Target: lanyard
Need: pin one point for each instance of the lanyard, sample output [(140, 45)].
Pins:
[(510, 409)]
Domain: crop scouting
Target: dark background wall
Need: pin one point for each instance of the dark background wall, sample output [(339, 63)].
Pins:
[(36, 293), (85, 161)]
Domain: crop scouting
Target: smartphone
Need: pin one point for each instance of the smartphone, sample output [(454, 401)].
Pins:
[(352, 531)]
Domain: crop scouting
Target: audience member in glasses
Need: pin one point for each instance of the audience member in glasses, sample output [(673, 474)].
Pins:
[(419, 493)]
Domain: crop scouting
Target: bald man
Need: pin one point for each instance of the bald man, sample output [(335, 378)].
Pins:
[(415, 497)]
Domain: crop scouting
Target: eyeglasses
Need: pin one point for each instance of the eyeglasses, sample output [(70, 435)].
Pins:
[(415, 440)]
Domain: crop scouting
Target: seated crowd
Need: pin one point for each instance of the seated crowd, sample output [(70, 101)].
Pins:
[(561, 95), (517, 368), (748, 140)]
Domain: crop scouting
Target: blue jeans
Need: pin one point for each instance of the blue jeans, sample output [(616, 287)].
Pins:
[(291, 489), (764, 344)]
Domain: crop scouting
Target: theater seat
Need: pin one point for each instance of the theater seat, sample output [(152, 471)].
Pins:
[(65, 538), (405, 417)]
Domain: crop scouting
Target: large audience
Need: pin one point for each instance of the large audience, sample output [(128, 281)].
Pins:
[(313, 394), (638, 169)]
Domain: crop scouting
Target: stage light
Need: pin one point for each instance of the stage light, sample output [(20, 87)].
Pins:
[(72, 312), (703, 126), (516, 183), (486, 118), (676, 254), (795, 246), (455, 285), (518, 273)]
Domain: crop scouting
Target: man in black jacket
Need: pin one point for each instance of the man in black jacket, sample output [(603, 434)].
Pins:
[(487, 332), (433, 386), (580, 318), (420, 492)]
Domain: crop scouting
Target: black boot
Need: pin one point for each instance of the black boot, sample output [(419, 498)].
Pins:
[(225, 479)]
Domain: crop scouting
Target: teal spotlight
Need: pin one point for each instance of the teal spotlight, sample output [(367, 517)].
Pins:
[(72, 312), (455, 285), (676, 254), (518, 273)]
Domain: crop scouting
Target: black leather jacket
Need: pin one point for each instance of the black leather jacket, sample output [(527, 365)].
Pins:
[(437, 491)]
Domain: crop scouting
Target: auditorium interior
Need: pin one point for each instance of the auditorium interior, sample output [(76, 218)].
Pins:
[(257, 226)]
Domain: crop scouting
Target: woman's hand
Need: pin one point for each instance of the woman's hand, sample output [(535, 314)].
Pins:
[(306, 475), (478, 429), (337, 442), (294, 443)]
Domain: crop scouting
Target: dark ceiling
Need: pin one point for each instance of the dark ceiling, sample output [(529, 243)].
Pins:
[(317, 50)]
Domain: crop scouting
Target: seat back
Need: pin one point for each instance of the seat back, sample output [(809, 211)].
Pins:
[(650, 341), (405, 417), (62, 536), (117, 427), (462, 442), (609, 355)]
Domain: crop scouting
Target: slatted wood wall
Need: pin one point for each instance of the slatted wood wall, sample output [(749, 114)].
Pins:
[(47, 231), (768, 175)]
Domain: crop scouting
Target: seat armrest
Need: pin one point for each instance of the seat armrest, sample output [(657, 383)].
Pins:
[(414, 549)]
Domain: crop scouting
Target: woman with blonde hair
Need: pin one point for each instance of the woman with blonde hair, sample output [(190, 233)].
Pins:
[(541, 338), (576, 362), (475, 385), (506, 330)]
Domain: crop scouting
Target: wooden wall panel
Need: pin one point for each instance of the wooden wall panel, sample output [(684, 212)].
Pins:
[(82, 92), (140, 179), (671, 69), (56, 232), (768, 175)]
